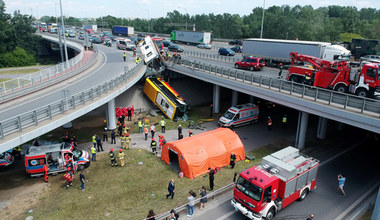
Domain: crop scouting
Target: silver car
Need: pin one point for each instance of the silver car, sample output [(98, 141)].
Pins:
[(371, 58), (204, 46)]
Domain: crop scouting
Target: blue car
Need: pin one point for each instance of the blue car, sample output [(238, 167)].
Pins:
[(226, 52)]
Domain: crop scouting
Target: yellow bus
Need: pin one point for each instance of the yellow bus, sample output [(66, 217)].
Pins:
[(165, 97)]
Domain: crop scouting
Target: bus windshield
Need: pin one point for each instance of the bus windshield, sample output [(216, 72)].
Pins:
[(252, 191)]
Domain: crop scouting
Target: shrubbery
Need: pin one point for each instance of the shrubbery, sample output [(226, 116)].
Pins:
[(17, 57)]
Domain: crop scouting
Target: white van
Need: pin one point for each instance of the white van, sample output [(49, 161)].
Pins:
[(122, 43), (239, 115)]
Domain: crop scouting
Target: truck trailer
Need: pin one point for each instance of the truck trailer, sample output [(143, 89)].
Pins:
[(277, 51), (122, 30), (190, 37), (93, 27), (282, 178)]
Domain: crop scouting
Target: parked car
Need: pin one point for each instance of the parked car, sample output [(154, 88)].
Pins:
[(81, 37), (371, 58), (175, 48), (96, 40), (103, 38), (167, 43), (226, 52), (251, 63), (237, 49), (141, 35), (235, 42), (204, 46)]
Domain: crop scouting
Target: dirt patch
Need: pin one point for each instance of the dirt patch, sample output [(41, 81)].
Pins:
[(18, 200)]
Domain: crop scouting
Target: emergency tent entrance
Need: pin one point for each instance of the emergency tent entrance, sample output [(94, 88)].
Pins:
[(196, 154), (173, 156)]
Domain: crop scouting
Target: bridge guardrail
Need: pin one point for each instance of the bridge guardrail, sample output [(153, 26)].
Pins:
[(23, 85), (329, 97), (32, 118)]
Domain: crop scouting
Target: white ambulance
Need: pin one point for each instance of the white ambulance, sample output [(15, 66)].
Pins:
[(239, 115)]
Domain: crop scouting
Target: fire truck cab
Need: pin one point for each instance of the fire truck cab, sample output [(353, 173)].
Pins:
[(283, 177), (55, 156), (239, 115)]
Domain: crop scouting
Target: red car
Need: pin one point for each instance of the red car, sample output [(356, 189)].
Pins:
[(251, 63)]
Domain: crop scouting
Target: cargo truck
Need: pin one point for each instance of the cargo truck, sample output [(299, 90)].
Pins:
[(190, 37), (93, 27), (121, 30), (277, 51), (283, 177)]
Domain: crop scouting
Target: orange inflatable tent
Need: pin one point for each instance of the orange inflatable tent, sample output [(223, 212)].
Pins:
[(194, 155)]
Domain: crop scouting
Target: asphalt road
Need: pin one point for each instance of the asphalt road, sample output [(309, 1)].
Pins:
[(113, 65), (350, 156)]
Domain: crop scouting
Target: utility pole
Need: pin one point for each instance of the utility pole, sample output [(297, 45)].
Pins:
[(63, 30), (262, 21), (185, 15)]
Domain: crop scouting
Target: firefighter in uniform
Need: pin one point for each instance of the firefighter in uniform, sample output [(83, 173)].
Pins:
[(138, 60), (113, 158), (122, 140), (127, 141), (125, 56), (191, 134), (46, 170), (307, 79), (125, 129), (232, 160), (121, 157), (146, 132), (153, 145), (269, 123), (140, 126)]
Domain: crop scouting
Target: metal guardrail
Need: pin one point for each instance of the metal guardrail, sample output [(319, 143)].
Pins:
[(21, 86), (32, 118), (227, 59), (329, 97)]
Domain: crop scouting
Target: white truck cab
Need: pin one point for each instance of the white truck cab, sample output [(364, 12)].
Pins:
[(239, 115)]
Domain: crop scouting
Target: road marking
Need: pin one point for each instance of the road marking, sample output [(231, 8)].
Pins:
[(40, 97), (337, 155), (226, 215)]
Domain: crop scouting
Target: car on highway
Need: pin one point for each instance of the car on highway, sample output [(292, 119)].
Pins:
[(251, 63), (96, 40), (204, 46), (167, 43), (226, 52), (141, 35), (6, 159), (133, 40), (235, 42), (81, 37), (175, 48), (371, 58), (237, 49)]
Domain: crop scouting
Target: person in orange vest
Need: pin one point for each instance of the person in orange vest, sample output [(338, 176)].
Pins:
[(146, 132), (269, 122), (46, 170)]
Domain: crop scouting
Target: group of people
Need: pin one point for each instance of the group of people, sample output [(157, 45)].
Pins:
[(284, 122)]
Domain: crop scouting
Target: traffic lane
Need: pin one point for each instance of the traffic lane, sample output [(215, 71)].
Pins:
[(113, 67), (325, 202), (266, 71)]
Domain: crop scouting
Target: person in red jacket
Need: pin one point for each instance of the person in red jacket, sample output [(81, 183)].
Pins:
[(46, 170)]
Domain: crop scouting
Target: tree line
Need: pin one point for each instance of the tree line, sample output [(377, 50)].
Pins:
[(332, 23), (18, 42)]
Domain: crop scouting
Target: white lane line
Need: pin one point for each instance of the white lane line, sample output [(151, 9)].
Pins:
[(40, 97), (225, 216)]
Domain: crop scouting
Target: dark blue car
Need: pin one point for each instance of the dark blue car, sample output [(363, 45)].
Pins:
[(226, 52), (237, 49)]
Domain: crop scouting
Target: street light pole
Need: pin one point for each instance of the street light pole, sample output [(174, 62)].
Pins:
[(262, 21), (185, 15), (63, 30)]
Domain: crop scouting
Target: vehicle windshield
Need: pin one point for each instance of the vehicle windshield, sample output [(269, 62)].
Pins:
[(229, 115), (229, 50), (252, 191), (77, 153), (2, 155)]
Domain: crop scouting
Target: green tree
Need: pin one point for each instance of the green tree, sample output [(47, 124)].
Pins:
[(18, 57)]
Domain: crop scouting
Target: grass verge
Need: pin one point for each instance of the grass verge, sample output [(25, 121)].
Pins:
[(20, 71), (127, 192)]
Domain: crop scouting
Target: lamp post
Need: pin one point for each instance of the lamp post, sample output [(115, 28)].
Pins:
[(262, 21), (148, 19), (59, 34), (63, 31), (185, 14)]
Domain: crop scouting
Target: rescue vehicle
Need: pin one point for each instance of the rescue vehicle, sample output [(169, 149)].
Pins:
[(239, 115), (283, 177), (125, 44), (55, 156), (6, 159)]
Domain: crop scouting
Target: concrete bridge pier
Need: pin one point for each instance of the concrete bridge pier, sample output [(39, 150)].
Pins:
[(251, 99), (216, 99), (235, 96), (110, 115), (303, 118), (322, 127)]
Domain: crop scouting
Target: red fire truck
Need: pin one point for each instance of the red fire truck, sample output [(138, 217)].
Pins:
[(336, 75), (283, 177)]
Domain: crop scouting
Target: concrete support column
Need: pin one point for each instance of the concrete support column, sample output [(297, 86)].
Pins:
[(322, 127), (234, 100), (215, 100), (251, 99), (303, 118), (340, 126), (110, 115)]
